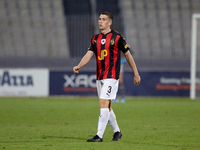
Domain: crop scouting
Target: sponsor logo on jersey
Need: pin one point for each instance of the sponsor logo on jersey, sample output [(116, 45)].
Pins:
[(104, 53)]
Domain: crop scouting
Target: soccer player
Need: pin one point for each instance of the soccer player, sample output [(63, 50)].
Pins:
[(107, 47)]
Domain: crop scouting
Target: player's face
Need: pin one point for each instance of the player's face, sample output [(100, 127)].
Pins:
[(104, 22)]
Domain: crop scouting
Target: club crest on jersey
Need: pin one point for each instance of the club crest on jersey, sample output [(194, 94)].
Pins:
[(103, 41), (112, 42)]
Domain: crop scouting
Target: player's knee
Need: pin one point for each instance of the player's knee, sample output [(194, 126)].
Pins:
[(104, 103)]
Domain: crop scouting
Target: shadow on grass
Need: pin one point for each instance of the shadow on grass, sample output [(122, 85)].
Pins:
[(62, 137)]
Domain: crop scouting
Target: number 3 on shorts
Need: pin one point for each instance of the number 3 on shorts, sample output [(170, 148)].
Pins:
[(109, 90)]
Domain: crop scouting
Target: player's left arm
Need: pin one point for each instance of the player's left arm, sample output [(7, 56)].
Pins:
[(125, 49), (132, 64)]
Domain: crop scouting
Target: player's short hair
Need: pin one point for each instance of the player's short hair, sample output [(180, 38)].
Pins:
[(110, 16)]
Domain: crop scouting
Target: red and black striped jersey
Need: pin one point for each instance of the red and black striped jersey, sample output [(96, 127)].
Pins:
[(107, 49)]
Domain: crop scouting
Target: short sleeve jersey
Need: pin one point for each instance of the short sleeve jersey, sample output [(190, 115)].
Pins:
[(107, 49)]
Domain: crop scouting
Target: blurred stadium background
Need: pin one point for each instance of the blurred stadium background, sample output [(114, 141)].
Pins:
[(56, 34), (40, 42)]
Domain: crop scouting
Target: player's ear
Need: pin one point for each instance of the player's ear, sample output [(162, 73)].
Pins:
[(110, 22)]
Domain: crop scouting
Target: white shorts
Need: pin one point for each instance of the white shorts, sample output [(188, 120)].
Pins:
[(107, 88)]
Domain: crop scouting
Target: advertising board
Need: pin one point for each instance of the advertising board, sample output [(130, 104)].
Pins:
[(67, 83), (152, 83), (160, 84), (24, 82)]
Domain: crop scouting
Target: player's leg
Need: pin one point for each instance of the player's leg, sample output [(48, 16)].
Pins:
[(114, 125), (112, 118), (109, 106), (103, 120), (104, 116), (113, 122), (107, 115), (107, 90), (98, 138)]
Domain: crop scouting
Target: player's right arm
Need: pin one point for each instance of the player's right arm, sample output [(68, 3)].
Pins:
[(83, 61)]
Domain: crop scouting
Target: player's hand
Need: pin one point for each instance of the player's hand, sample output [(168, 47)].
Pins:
[(76, 69), (137, 79)]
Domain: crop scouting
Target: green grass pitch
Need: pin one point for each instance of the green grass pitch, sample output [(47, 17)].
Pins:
[(65, 123)]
